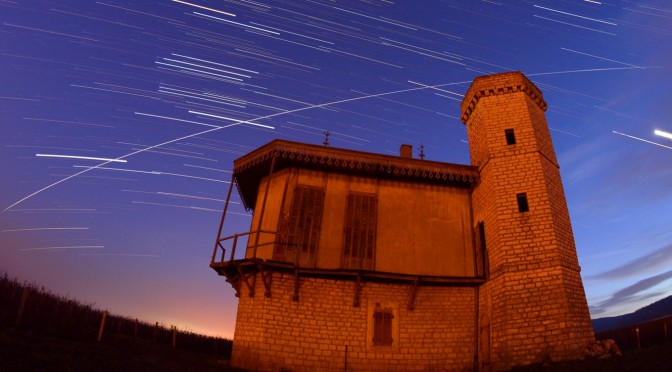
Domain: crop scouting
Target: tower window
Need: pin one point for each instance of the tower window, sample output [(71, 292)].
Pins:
[(522, 202), (481, 252), (382, 327), (510, 137)]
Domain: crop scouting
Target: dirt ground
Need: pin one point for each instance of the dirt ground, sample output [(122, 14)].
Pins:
[(655, 359), (23, 351)]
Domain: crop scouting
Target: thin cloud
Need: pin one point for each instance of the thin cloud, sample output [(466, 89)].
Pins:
[(608, 306), (642, 265), (632, 293)]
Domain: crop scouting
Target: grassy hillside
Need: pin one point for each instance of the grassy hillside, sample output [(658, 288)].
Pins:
[(27, 351), (37, 325)]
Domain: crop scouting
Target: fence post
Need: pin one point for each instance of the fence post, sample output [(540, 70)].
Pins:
[(22, 305), (639, 344), (135, 329), (156, 328), (102, 326), (174, 334)]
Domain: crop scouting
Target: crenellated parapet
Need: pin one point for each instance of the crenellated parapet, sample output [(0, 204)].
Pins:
[(499, 84)]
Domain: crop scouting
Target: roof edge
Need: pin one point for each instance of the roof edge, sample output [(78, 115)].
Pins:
[(250, 168)]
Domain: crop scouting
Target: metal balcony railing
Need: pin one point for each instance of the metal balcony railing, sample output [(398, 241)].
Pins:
[(279, 240)]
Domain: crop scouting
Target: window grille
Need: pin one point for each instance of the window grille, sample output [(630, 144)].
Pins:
[(301, 224), (382, 327), (359, 241)]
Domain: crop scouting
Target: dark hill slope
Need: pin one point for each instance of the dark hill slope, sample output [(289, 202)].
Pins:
[(656, 310)]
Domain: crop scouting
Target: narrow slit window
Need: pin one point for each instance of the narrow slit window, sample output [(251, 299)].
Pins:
[(482, 251), (522, 202), (510, 137)]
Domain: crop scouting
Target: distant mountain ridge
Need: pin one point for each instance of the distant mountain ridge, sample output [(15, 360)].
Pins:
[(653, 311)]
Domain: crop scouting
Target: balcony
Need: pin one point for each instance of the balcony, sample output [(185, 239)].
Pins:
[(266, 252)]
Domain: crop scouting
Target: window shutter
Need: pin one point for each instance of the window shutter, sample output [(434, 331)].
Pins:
[(359, 241), (382, 327), (302, 226)]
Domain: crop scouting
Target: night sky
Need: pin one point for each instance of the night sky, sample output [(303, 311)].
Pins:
[(160, 97)]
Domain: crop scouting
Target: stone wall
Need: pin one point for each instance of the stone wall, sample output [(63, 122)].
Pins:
[(311, 334)]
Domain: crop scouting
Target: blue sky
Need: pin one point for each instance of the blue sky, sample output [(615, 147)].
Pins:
[(111, 78)]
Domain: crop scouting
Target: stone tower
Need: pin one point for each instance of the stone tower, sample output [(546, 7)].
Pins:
[(532, 306)]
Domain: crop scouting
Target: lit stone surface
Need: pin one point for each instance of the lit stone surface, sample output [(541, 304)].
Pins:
[(534, 295), (311, 334), (458, 300)]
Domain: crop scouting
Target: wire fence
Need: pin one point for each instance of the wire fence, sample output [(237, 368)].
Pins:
[(33, 308)]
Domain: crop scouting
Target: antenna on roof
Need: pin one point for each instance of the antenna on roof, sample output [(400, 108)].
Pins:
[(422, 151), (326, 138)]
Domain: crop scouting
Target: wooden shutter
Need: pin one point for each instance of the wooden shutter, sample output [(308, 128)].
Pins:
[(382, 327), (359, 241), (301, 226)]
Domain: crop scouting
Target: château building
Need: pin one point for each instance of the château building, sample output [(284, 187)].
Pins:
[(366, 262)]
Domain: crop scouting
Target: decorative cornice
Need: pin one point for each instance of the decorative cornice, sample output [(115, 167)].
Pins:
[(499, 84), (249, 169)]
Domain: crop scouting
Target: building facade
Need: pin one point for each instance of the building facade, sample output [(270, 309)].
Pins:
[(368, 262)]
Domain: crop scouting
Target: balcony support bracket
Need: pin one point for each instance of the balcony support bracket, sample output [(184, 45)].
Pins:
[(414, 291), (358, 290), (246, 279), (296, 284), (266, 277)]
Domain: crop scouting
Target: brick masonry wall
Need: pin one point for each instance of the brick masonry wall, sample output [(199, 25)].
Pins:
[(534, 299), (311, 334)]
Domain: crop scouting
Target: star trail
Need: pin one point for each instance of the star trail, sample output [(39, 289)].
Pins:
[(120, 121)]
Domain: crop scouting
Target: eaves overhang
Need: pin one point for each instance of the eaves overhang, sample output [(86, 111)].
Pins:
[(249, 169)]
